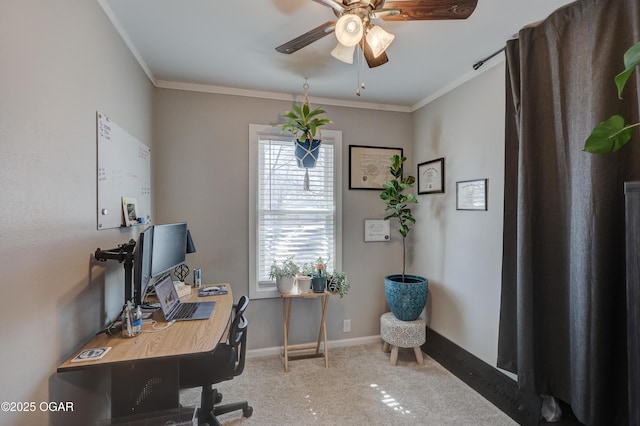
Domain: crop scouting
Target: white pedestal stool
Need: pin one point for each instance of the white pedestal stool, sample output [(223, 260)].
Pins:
[(402, 334)]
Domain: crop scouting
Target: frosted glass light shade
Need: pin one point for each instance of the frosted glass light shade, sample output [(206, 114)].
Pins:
[(349, 30), (379, 40), (343, 53)]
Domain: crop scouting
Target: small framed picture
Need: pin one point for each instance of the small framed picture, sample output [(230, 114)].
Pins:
[(369, 166), (376, 230), (130, 211), (471, 195), (431, 177)]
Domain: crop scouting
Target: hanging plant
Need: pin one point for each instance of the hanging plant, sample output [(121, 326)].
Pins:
[(613, 133), (304, 124)]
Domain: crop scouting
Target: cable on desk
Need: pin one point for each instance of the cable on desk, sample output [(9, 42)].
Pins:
[(157, 329)]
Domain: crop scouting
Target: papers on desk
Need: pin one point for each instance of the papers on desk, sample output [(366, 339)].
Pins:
[(91, 354), (213, 290)]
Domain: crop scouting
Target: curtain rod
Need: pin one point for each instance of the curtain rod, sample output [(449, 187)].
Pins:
[(481, 62)]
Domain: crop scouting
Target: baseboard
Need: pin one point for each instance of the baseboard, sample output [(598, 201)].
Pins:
[(495, 386), (278, 350)]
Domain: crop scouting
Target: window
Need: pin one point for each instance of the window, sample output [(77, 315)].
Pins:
[(284, 219)]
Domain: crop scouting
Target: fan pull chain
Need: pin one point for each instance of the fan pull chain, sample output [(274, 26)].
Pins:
[(360, 66)]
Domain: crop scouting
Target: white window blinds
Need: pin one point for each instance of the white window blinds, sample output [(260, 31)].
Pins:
[(292, 221)]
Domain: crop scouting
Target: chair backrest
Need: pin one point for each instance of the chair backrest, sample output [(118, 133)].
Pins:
[(241, 306), (238, 334)]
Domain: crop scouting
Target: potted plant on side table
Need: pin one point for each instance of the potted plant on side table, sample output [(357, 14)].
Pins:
[(318, 276), (284, 273), (338, 283), (406, 294)]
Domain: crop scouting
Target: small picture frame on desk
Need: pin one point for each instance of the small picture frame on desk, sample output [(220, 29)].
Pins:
[(130, 211)]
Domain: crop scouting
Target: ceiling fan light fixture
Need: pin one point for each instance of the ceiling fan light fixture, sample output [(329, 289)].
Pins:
[(379, 40), (349, 30), (343, 53)]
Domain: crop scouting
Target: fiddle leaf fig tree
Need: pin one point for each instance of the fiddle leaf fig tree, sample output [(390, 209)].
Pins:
[(398, 202), (613, 133)]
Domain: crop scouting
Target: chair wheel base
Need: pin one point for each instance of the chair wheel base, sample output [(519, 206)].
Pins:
[(248, 411)]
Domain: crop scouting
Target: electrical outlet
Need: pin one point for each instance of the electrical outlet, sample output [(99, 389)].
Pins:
[(346, 326)]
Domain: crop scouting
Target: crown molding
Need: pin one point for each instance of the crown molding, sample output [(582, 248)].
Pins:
[(222, 90)]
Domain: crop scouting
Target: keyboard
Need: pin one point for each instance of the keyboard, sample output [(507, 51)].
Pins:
[(184, 310)]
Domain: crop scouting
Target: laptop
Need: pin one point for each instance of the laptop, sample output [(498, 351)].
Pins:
[(173, 309)]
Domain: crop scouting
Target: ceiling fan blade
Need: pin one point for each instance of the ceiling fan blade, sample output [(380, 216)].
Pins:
[(335, 5), (307, 38), (383, 13), (372, 61), (420, 10)]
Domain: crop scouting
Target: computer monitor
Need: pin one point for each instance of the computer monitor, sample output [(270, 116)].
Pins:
[(142, 264), (168, 248)]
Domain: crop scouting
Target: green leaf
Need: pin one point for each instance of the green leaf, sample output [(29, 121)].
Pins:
[(632, 56), (631, 61), (608, 136), (621, 80)]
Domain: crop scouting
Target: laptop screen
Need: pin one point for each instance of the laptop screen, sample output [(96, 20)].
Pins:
[(167, 294)]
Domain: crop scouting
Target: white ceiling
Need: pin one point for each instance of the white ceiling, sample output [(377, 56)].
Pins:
[(229, 47)]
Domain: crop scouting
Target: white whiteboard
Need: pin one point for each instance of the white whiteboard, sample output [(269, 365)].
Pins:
[(124, 170)]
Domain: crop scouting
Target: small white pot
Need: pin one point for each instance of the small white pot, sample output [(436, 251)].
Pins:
[(304, 283), (285, 284)]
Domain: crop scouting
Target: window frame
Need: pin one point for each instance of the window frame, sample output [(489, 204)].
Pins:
[(259, 290)]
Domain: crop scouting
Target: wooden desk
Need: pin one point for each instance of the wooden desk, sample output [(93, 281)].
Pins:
[(155, 352), (322, 334)]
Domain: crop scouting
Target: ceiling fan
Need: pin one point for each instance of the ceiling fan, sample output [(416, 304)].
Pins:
[(354, 28)]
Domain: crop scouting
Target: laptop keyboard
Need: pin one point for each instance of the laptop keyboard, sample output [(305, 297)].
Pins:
[(185, 310)]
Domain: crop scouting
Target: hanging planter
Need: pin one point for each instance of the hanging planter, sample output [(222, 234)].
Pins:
[(307, 153), (304, 124)]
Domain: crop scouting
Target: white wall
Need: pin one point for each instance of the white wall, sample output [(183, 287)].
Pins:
[(460, 252), (202, 158), (61, 62)]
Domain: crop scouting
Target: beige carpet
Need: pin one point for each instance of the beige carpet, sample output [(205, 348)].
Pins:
[(358, 388)]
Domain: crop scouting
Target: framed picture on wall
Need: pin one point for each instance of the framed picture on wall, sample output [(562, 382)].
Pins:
[(369, 166), (471, 195), (431, 177)]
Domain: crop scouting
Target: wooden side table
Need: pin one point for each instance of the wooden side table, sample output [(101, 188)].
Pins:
[(287, 307)]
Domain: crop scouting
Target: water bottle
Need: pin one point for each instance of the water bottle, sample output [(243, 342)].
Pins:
[(131, 320), (136, 323)]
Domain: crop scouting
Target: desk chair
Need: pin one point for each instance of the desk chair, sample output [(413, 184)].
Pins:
[(223, 363)]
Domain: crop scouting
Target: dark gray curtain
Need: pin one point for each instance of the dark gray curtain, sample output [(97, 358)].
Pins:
[(562, 321)]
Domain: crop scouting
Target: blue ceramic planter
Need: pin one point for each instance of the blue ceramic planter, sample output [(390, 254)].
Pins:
[(406, 299), (319, 284), (307, 153)]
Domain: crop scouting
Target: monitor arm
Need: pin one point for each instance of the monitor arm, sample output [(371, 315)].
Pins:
[(123, 254)]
